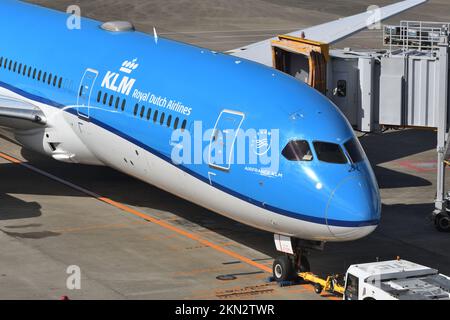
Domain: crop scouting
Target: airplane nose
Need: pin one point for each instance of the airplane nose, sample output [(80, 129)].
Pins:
[(353, 209)]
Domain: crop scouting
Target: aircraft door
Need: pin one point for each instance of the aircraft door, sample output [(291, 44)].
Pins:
[(223, 138), (85, 91)]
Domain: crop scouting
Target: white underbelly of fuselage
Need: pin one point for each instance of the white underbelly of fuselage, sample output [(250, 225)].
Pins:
[(81, 141)]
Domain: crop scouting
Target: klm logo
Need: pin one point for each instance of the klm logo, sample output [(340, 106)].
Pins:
[(118, 82)]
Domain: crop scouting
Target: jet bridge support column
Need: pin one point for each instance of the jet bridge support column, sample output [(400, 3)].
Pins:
[(441, 212)]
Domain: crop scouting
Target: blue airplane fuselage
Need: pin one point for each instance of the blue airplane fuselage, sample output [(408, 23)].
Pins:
[(115, 82)]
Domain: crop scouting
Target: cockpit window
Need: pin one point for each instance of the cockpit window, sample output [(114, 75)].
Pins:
[(329, 152), (354, 150), (297, 150)]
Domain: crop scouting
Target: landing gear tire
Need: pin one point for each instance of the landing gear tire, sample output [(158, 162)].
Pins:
[(318, 288), (442, 222), (283, 269)]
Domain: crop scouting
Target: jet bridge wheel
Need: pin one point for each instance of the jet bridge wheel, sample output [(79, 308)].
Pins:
[(442, 222)]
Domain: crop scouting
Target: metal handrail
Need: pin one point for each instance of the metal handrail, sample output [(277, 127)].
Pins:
[(419, 35)]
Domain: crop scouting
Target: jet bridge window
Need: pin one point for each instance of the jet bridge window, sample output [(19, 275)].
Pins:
[(297, 150), (341, 88), (355, 151), (329, 152)]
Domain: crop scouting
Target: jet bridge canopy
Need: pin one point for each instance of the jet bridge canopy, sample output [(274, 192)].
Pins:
[(302, 58)]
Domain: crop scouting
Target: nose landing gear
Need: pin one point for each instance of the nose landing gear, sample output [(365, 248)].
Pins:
[(287, 267), (294, 261)]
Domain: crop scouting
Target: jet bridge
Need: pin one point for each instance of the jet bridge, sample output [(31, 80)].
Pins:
[(406, 84)]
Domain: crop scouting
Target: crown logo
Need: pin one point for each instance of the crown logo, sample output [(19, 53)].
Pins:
[(129, 66)]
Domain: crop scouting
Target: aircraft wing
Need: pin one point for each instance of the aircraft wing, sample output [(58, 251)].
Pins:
[(20, 115), (329, 32)]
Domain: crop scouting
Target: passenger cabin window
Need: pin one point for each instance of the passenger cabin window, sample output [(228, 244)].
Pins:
[(355, 151), (297, 150), (329, 152)]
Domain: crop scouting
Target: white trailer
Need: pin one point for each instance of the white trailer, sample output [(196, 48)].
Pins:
[(395, 280), (387, 280)]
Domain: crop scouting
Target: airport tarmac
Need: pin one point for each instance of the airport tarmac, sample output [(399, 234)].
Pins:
[(134, 241)]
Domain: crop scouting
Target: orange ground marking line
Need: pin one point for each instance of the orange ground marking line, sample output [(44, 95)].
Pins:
[(151, 219), (142, 215)]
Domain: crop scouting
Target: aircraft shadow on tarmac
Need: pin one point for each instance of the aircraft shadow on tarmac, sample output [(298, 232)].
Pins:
[(13, 211), (405, 231), (13, 208), (395, 145)]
